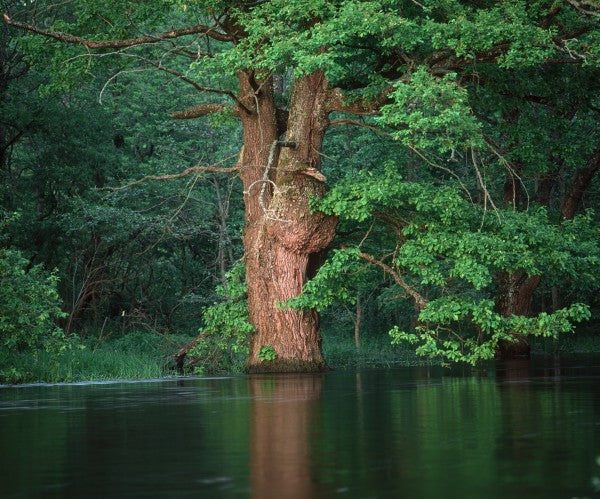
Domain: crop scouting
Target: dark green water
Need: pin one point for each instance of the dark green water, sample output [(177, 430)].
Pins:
[(527, 431)]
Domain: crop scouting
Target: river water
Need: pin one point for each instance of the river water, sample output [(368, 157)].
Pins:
[(511, 430)]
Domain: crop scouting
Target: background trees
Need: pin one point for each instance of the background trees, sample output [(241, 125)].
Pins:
[(148, 257)]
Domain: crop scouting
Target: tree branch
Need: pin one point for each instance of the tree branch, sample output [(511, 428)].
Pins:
[(419, 299), (202, 88), (360, 107), (200, 110), (214, 168), (444, 60), (129, 42), (358, 123), (582, 181), (586, 7)]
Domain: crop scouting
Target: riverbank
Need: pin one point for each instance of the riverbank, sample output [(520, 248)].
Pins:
[(138, 355), (144, 355)]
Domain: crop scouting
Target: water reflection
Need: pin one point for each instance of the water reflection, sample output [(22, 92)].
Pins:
[(518, 430), (284, 409)]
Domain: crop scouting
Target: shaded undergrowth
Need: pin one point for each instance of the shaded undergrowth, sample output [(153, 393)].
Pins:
[(137, 355), (375, 350)]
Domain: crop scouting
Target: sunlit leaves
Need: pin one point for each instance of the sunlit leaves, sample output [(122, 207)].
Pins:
[(429, 112), (452, 251), (448, 324)]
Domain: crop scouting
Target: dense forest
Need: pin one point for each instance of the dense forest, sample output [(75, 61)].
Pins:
[(230, 183)]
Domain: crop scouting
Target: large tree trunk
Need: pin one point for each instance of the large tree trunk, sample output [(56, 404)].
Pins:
[(515, 298), (581, 183), (284, 242)]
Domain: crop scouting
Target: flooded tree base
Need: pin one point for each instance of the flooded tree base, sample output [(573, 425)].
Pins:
[(287, 366), (519, 349)]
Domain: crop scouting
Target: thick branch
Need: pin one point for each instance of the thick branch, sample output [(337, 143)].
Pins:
[(337, 102), (444, 60), (586, 7), (16, 137), (210, 31), (197, 86), (200, 110), (193, 169), (419, 299), (358, 123), (582, 181)]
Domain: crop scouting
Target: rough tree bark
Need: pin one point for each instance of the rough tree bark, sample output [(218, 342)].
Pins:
[(516, 291), (284, 242)]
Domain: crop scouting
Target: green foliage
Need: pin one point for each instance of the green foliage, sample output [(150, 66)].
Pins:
[(479, 92), (336, 282), (29, 309), (136, 355), (226, 330), (376, 349), (267, 353), (460, 330), (451, 252), (29, 306), (144, 254), (430, 112)]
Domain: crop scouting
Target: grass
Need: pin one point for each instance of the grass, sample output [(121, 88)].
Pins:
[(138, 355)]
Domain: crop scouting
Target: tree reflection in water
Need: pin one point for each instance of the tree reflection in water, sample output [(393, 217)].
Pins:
[(283, 411)]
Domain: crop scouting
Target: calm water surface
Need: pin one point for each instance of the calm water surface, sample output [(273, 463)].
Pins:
[(520, 430)]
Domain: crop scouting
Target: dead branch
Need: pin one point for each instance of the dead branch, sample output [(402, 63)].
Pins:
[(200, 110), (482, 184), (214, 168), (181, 354)]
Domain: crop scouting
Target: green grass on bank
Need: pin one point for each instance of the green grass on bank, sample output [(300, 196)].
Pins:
[(138, 355)]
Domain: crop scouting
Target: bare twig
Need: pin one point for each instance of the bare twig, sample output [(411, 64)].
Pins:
[(483, 186), (113, 77), (512, 172)]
